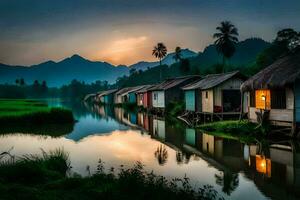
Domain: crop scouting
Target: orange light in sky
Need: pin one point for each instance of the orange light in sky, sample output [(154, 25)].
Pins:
[(125, 50)]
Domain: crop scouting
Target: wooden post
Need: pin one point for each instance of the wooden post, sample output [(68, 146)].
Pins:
[(242, 106), (294, 125)]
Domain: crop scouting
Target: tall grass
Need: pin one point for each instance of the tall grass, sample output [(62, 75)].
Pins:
[(33, 169), (44, 177)]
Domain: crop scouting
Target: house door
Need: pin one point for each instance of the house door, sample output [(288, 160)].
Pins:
[(231, 100)]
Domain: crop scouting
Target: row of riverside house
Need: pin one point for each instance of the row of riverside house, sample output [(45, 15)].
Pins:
[(273, 93)]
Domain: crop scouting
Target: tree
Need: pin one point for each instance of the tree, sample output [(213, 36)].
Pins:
[(286, 41), (185, 66), (177, 56), (22, 82), (160, 51), (288, 38), (226, 39)]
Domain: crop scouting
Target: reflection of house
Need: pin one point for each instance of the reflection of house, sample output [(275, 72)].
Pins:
[(159, 129), (99, 98), (280, 164), (215, 93), (108, 96), (275, 89), (144, 97), (170, 91)]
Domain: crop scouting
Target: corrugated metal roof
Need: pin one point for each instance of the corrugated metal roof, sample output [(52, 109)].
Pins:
[(169, 83), (123, 90), (108, 92), (89, 96), (145, 89), (210, 81), (131, 89)]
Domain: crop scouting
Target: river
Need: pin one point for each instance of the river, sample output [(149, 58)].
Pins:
[(263, 170)]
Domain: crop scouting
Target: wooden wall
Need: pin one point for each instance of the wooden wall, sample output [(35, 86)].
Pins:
[(159, 128), (297, 101), (208, 103), (140, 97), (234, 83), (190, 100), (282, 115), (159, 102)]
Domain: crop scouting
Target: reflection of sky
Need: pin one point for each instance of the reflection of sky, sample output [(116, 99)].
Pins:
[(125, 147), (90, 125)]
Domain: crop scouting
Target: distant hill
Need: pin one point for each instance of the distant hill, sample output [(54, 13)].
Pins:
[(246, 53), (63, 72), (76, 67), (168, 60)]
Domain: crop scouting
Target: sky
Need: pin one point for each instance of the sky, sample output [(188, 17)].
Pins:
[(125, 31)]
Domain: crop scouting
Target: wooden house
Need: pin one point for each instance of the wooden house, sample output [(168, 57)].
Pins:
[(89, 98), (123, 95), (144, 97), (215, 93), (107, 97), (133, 94), (275, 90), (99, 97), (170, 91)]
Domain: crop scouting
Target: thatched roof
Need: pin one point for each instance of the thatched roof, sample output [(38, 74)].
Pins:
[(281, 73), (172, 82), (211, 80)]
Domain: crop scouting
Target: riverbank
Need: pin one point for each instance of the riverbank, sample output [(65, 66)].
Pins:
[(45, 177), (22, 111), (234, 129)]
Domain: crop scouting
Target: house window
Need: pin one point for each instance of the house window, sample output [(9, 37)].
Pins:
[(206, 95), (278, 99), (263, 99), (154, 96)]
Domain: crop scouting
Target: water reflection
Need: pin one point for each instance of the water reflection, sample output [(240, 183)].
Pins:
[(161, 154), (238, 170)]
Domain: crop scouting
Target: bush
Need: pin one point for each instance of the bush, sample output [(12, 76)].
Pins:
[(175, 108)]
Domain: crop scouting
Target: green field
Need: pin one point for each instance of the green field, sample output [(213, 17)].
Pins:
[(32, 112)]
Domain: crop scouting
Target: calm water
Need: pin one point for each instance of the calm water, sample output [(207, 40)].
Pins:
[(268, 170)]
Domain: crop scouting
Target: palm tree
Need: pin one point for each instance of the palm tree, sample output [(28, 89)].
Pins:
[(160, 51), (177, 56), (226, 39)]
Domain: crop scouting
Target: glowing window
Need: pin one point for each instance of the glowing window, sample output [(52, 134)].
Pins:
[(263, 99)]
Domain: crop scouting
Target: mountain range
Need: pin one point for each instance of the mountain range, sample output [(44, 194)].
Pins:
[(76, 67)]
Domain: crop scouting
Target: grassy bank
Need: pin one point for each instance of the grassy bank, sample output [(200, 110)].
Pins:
[(44, 177), (32, 112), (242, 130)]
